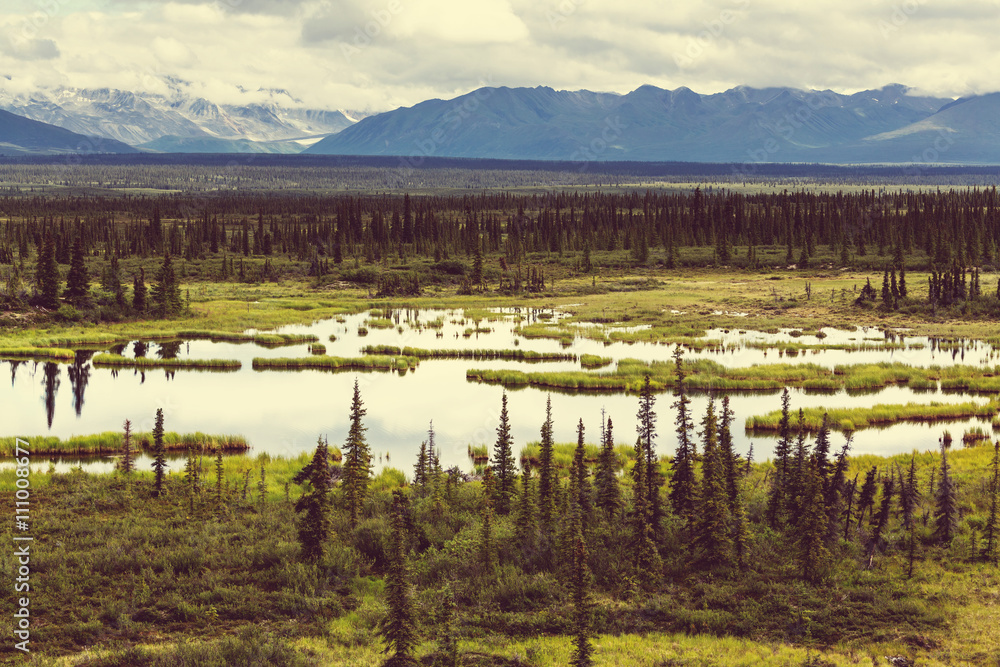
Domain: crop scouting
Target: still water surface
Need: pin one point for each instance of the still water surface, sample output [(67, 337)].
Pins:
[(283, 412)]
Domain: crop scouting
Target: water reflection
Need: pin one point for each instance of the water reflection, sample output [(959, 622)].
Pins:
[(281, 413), (50, 372), (79, 377), (168, 349)]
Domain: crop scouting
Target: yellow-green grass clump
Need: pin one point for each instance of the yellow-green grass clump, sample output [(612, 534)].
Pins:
[(52, 353), (371, 362), (563, 453), (705, 374), (852, 419), (379, 323), (594, 361), (479, 453), (110, 442), (118, 361), (510, 355)]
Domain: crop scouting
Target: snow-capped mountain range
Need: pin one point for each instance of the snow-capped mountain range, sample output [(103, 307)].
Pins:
[(181, 121)]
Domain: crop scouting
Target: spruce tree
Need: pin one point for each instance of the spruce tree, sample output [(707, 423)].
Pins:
[(608, 492), (314, 526), (647, 563), (713, 541), (909, 493), (583, 652), (880, 521), (219, 475), (159, 453), (127, 463), (139, 292), (503, 461), (447, 641), (866, 497), (487, 557), (399, 627), (166, 292), (77, 281), (646, 428), (797, 472), (821, 449), (945, 504), (777, 496), (834, 492), (547, 476), (682, 483), (580, 478), (728, 457), (526, 522), (357, 460), (812, 528), (420, 470), (47, 274), (741, 532)]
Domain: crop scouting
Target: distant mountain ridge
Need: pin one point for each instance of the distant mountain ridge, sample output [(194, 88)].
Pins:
[(23, 136), (744, 125), (741, 125), (142, 119)]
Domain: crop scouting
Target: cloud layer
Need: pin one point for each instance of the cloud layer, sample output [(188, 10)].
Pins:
[(380, 54)]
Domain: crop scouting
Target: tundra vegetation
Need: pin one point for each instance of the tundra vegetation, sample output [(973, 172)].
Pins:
[(659, 547)]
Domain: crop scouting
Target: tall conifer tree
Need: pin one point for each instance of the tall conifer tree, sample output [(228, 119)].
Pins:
[(547, 479), (682, 484), (945, 504), (399, 627), (357, 459), (314, 524), (503, 463), (606, 481), (159, 453)]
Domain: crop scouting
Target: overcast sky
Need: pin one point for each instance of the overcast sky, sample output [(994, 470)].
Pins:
[(380, 54)]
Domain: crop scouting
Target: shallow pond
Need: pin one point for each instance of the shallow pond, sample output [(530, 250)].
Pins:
[(283, 412)]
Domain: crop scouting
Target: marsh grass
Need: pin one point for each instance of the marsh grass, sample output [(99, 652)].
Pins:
[(974, 436), (563, 452), (110, 442), (851, 419), (510, 355), (379, 323), (49, 353), (594, 361), (479, 454), (706, 375), (118, 361), (370, 362)]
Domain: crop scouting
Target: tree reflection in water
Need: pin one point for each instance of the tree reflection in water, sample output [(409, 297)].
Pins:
[(50, 372), (79, 377)]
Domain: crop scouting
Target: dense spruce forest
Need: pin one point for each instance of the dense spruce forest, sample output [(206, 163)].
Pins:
[(394, 244)]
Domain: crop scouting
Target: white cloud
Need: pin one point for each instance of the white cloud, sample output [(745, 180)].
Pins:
[(377, 54), (172, 52)]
